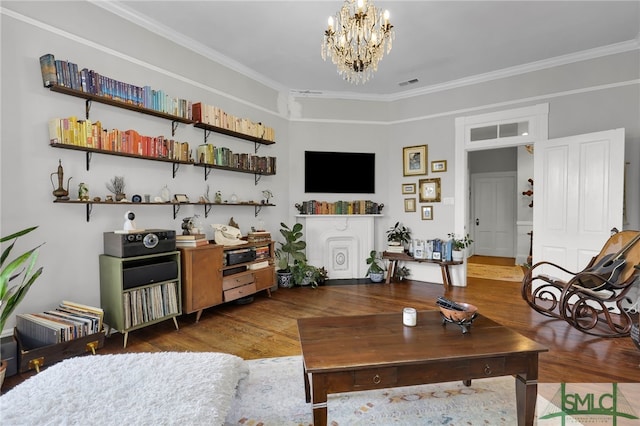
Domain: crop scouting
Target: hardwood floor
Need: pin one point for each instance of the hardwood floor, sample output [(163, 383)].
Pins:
[(267, 327)]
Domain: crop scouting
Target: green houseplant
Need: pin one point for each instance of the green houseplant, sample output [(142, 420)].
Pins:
[(459, 245), (398, 236), (22, 265), (289, 252), (376, 270)]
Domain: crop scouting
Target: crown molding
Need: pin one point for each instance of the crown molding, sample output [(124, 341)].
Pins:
[(123, 11)]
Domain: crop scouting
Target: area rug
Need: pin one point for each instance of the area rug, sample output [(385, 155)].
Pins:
[(273, 394), (163, 388), (495, 272)]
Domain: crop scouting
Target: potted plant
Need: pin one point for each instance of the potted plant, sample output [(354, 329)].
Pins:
[(398, 236), (323, 275), (402, 273), (459, 246), (116, 185), (24, 265), (376, 270), (304, 274), (289, 252)]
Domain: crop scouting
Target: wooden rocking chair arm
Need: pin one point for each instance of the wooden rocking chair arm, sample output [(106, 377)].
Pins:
[(544, 262)]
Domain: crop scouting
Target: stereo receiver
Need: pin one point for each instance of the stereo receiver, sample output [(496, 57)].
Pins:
[(149, 241)]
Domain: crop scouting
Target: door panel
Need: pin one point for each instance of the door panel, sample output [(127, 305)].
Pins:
[(494, 214), (578, 196)]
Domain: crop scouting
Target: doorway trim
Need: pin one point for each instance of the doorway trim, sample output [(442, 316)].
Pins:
[(538, 118)]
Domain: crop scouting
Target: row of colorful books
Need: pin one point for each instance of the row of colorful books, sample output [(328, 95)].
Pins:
[(88, 134), (67, 74), (217, 117), (223, 156), (312, 207), (57, 72), (150, 303), (69, 321)]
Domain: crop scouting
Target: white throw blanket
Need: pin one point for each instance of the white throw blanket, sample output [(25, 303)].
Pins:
[(162, 388)]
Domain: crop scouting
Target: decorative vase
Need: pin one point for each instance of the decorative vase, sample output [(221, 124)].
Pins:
[(120, 196), (285, 279), (376, 277)]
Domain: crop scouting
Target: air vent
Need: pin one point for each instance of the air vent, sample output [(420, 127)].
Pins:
[(408, 82)]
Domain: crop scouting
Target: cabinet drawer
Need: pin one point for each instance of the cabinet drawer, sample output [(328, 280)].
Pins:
[(379, 377), (238, 292), (237, 280), (488, 367)]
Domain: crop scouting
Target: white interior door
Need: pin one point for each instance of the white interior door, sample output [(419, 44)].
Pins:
[(578, 193), (494, 207)]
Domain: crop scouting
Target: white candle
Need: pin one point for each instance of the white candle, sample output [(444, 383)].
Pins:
[(409, 317)]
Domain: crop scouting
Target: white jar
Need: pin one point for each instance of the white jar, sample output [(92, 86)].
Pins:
[(409, 317)]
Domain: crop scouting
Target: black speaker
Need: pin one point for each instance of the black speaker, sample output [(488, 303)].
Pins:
[(145, 272)]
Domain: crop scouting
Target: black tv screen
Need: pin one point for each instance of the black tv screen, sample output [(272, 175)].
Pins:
[(340, 172)]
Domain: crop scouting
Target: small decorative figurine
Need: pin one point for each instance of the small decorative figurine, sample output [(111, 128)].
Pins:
[(218, 198), (83, 192)]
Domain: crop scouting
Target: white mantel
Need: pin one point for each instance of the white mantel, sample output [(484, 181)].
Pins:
[(340, 243)]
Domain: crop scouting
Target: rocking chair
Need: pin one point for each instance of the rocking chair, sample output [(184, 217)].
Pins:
[(590, 300)]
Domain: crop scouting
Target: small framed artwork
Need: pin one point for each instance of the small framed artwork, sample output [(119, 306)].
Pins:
[(181, 198), (409, 204), (414, 160), (429, 190), (439, 166), (408, 188), (427, 212)]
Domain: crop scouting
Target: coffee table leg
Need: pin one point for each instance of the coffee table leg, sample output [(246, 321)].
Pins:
[(526, 395), (319, 405), (307, 389)]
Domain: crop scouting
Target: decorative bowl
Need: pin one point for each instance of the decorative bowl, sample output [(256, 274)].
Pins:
[(464, 319), (457, 316)]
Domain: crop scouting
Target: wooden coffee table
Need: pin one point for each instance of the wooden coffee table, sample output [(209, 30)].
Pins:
[(355, 353)]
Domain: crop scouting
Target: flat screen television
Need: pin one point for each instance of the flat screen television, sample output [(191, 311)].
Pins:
[(340, 172)]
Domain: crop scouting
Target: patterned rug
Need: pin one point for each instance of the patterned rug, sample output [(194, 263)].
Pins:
[(495, 272), (273, 394)]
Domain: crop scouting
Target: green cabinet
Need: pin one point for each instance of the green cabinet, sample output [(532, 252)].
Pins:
[(139, 291)]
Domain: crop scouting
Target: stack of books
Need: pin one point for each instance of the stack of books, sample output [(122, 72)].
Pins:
[(193, 240), (259, 237), (395, 249), (67, 322)]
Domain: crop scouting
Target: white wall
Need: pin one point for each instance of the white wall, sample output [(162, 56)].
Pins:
[(589, 96)]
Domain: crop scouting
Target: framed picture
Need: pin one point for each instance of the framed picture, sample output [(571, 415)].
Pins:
[(414, 160), (409, 204), (439, 166), (408, 188), (181, 198), (427, 212), (429, 190)]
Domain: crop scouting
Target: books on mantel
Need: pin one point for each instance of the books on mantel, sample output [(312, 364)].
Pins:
[(193, 240)]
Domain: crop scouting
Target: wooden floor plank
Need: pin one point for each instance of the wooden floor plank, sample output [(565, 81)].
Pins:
[(267, 327)]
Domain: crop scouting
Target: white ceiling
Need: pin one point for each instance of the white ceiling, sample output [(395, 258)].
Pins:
[(440, 43)]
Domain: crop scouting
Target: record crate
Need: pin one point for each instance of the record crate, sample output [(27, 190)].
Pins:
[(44, 356)]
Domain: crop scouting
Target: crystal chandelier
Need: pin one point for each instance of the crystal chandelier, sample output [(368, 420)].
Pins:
[(356, 39)]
